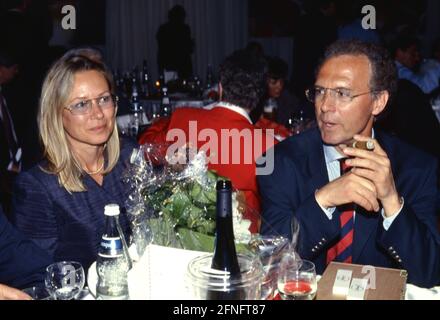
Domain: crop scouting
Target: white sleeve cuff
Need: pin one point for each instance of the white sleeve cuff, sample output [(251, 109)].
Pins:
[(328, 211), (387, 221)]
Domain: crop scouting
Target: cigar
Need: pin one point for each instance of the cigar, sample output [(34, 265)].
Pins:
[(365, 145)]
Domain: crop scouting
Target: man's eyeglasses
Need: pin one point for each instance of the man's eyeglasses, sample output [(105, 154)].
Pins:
[(341, 95), (85, 106)]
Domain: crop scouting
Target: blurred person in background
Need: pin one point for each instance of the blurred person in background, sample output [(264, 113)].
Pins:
[(287, 104), (412, 67), (242, 84), (10, 147), (175, 44)]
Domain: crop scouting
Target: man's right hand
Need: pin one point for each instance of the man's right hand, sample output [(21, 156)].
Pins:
[(8, 293), (347, 189)]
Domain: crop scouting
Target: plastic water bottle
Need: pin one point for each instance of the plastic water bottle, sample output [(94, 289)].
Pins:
[(113, 261)]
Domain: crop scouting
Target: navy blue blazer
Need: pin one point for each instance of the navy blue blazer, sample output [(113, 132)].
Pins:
[(22, 263), (69, 225), (412, 242)]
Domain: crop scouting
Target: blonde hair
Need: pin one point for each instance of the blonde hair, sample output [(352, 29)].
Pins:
[(55, 93)]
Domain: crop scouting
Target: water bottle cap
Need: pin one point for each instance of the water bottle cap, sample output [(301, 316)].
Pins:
[(111, 209)]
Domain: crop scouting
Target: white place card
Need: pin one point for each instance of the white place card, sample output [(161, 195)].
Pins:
[(342, 282), (357, 289)]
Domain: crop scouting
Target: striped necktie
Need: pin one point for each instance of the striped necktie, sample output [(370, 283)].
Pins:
[(342, 250)]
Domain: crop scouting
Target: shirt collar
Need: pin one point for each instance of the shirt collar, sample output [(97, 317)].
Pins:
[(235, 108), (331, 154)]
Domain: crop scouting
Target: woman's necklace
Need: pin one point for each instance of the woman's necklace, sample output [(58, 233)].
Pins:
[(96, 171)]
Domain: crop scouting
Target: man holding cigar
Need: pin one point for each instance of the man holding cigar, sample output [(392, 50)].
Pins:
[(374, 206)]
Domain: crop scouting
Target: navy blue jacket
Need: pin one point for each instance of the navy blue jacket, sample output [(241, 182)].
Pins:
[(69, 225), (22, 263), (412, 242)]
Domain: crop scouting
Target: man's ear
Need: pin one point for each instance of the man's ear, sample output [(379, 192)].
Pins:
[(380, 102)]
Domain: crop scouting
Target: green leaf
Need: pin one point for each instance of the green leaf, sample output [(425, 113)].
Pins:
[(176, 206), (155, 197), (193, 240)]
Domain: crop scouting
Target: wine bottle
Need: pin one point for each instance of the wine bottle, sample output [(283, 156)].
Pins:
[(225, 255), (165, 105)]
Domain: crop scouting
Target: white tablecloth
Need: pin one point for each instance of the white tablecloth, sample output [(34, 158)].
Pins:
[(161, 268)]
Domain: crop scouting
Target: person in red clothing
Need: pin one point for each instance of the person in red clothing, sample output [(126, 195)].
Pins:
[(225, 130)]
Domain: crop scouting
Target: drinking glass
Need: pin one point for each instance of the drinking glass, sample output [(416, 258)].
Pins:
[(64, 280), (270, 250), (296, 278)]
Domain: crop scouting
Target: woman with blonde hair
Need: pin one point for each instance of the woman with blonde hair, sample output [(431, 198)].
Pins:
[(59, 203)]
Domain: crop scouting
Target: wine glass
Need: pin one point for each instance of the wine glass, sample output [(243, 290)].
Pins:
[(296, 278), (270, 250), (64, 280)]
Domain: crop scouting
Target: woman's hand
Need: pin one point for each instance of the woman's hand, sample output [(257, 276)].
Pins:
[(8, 293)]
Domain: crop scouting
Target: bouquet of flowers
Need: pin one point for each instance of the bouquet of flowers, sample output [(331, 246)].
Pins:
[(175, 205)]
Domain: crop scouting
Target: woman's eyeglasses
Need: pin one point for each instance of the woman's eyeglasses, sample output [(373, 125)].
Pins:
[(85, 106)]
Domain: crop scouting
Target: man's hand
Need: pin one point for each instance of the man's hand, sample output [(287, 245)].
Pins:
[(376, 168), (8, 293), (346, 189)]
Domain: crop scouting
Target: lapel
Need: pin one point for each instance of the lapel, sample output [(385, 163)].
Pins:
[(367, 222)]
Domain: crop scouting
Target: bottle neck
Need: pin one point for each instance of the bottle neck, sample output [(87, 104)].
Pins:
[(111, 226), (225, 255), (224, 203)]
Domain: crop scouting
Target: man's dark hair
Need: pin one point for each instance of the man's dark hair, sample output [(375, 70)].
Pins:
[(403, 42), (243, 78), (383, 69), (278, 68)]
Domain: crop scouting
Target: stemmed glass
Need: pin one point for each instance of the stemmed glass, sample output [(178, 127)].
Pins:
[(64, 280), (296, 278), (269, 249)]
